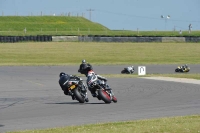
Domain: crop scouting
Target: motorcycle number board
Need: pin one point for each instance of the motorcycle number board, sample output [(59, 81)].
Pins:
[(141, 70)]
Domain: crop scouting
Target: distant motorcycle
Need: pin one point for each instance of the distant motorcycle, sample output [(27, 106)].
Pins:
[(74, 87), (182, 69), (102, 91), (128, 70)]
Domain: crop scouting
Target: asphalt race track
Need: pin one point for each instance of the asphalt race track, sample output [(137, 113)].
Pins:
[(30, 98)]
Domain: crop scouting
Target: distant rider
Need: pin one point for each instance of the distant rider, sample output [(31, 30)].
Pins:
[(184, 66), (130, 69), (86, 68)]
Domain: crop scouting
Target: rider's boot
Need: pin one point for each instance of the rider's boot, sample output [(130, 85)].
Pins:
[(86, 99), (73, 97), (93, 94), (70, 94)]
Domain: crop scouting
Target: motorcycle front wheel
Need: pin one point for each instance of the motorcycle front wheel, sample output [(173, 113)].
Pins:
[(176, 70), (104, 96), (123, 71), (114, 99), (78, 96)]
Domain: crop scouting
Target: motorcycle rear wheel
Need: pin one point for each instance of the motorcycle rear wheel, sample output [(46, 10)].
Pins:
[(78, 96), (104, 96)]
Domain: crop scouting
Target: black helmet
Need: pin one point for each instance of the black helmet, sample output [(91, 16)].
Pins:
[(62, 74), (83, 61)]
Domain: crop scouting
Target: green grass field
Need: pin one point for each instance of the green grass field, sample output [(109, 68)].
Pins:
[(184, 124), (68, 53)]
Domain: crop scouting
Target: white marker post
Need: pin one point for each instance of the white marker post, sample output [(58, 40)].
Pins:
[(141, 70)]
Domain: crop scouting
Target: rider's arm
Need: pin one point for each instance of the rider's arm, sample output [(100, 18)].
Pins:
[(89, 65), (101, 77)]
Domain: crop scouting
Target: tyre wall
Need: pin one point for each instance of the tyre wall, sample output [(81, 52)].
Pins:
[(192, 39), (13, 39)]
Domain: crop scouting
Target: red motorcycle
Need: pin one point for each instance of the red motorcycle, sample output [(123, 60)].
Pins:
[(103, 92)]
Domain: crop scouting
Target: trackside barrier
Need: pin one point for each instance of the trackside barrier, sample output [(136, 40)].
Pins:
[(47, 38), (13, 39), (119, 39), (192, 39), (65, 38), (173, 39)]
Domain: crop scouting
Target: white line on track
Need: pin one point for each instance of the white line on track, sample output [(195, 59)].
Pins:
[(35, 82), (180, 80)]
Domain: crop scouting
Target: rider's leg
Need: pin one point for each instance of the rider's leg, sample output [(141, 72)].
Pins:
[(93, 93)]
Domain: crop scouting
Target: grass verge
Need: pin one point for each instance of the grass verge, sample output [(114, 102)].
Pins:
[(181, 124), (66, 53), (179, 75)]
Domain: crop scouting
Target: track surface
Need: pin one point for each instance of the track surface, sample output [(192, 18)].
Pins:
[(30, 98)]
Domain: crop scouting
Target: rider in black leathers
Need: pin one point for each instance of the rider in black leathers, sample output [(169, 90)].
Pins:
[(66, 91), (84, 69)]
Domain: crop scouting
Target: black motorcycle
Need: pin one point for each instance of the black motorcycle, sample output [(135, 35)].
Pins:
[(73, 86), (182, 69), (102, 91), (127, 71)]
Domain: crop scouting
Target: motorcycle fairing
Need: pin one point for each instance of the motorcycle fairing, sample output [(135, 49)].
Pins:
[(91, 80)]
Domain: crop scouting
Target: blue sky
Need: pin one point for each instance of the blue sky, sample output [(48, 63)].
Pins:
[(115, 14)]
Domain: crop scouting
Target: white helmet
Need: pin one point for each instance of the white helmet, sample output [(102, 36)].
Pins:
[(83, 61)]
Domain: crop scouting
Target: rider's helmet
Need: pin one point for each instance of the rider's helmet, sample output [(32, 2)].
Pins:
[(83, 61), (186, 65), (132, 66), (62, 74)]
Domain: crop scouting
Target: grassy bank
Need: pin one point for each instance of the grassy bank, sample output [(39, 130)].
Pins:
[(70, 25), (66, 53), (163, 125)]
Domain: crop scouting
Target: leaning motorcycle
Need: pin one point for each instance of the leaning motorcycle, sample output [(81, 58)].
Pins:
[(74, 87), (181, 69), (102, 91), (126, 71)]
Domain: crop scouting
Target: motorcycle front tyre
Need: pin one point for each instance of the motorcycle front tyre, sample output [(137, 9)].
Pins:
[(123, 71), (104, 96), (78, 96), (114, 99), (176, 70)]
